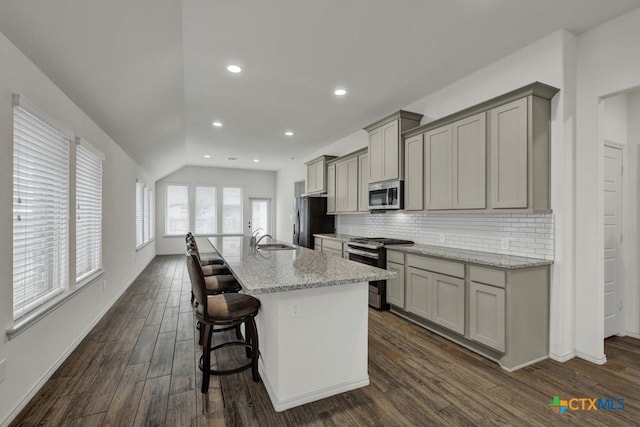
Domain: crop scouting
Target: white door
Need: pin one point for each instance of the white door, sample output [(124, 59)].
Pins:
[(260, 215), (612, 240)]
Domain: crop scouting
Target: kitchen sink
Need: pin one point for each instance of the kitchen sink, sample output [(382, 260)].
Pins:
[(275, 247)]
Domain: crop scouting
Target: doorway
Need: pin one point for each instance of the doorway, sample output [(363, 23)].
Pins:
[(613, 277), (260, 214)]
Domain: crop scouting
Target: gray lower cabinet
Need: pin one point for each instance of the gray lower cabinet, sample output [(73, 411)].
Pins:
[(487, 315), (317, 244), (501, 314), (448, 302), (419, 292), (395, 287)]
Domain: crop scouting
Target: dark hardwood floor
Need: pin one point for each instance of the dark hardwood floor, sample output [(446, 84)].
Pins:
[(138, 367)]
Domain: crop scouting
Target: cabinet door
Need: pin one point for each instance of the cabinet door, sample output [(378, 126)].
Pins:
[(317, 244), (414, 174), (469, 162), (331, 189), (342, 179), (312, 185), (448, 302), (390, 151), (375, 155), (508, 145), (395, 287), (352, 185), (487, 315), (320, 182), (363, 174), (438, 168), (419, 292)]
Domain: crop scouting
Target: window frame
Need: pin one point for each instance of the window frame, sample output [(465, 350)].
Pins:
[(216, 207), (240, 232), (147, 215), (166, 208)]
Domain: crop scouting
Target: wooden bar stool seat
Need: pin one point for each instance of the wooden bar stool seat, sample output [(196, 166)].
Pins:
[(205, 259), (221, 284)]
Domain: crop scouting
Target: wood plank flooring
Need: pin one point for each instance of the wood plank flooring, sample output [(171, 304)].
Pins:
[(138, 367)]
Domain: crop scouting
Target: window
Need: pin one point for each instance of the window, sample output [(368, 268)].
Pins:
[(144, 214), (88, 210), (40, 208), (205, 210), (177, 209), (232, 210), (260, 216)]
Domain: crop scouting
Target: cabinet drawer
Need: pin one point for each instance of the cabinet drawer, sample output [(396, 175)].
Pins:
[(394, 256), (490, 276), (449, 268), (332, 244)]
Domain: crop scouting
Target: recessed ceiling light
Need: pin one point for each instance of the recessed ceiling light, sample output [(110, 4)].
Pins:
[(256, 160), (234, 69), (206, 156), (217, 124), (232, 158), (289, 133), (340, 92)]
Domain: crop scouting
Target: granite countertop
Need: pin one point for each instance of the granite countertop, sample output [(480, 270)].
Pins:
[(337, 236), (260, 271), (508, 262)]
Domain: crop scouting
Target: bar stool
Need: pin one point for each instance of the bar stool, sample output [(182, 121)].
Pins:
[(208, 269), (206, 259), (228, 310)]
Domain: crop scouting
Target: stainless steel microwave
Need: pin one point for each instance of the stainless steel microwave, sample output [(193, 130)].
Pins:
[(386, 195)]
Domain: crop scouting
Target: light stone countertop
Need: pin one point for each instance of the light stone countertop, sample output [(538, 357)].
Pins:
[(337, 236), (260, 271), (508, 262)]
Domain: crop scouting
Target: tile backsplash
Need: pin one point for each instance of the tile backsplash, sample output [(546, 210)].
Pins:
[(528, 235)]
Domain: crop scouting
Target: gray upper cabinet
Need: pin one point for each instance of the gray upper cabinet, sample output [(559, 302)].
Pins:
[(363, 182), (414, 174), (347, 185), (469, 163), (508, 130), (331, 189), (386, 153), (490, 157), (438, 164), (316, 174)]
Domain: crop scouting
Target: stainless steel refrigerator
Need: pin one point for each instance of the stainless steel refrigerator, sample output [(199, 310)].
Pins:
[(309, 218)]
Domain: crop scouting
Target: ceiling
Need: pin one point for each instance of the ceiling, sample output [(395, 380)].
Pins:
[(152, 73)]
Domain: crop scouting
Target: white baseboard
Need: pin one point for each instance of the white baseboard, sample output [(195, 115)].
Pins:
[(632, 335), (34, 390), (281, 405), (562, 358), (597, 360)]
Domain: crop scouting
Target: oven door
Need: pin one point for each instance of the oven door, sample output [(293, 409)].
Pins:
[(363, 256)]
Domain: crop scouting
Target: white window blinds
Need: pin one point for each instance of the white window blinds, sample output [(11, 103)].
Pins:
[(232, 210), (88, 211), (177, 222), (40, 209), (205, 210), (139, 213)]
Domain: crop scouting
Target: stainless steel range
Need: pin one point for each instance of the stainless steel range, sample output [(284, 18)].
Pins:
[(372, 251)]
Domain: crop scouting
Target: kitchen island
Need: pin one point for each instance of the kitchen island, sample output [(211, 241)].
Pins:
[(313, 319)]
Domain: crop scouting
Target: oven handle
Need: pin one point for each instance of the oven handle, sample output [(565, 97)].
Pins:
[(363, 253)]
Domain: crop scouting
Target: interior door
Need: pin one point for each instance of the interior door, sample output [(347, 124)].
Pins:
[(612, 240)]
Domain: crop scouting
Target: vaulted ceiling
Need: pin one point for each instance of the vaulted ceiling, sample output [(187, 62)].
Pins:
[(152, 73)]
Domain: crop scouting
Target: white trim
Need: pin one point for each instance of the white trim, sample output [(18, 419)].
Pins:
[(597, 360), (21, 102), (34, 390), (281, 405), (562, 358), (632, 334)]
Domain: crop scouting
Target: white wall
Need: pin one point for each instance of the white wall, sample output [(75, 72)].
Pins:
[(632, 217), (254, 183), (550, 60), (32, 355), (606, 65)]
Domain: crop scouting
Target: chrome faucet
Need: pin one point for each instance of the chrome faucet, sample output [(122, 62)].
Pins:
[(262, 237), (252, 242)]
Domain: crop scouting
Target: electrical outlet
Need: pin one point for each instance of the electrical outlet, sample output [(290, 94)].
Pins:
[(3, 362), (441, 237), (504, 243), (294, 309)]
